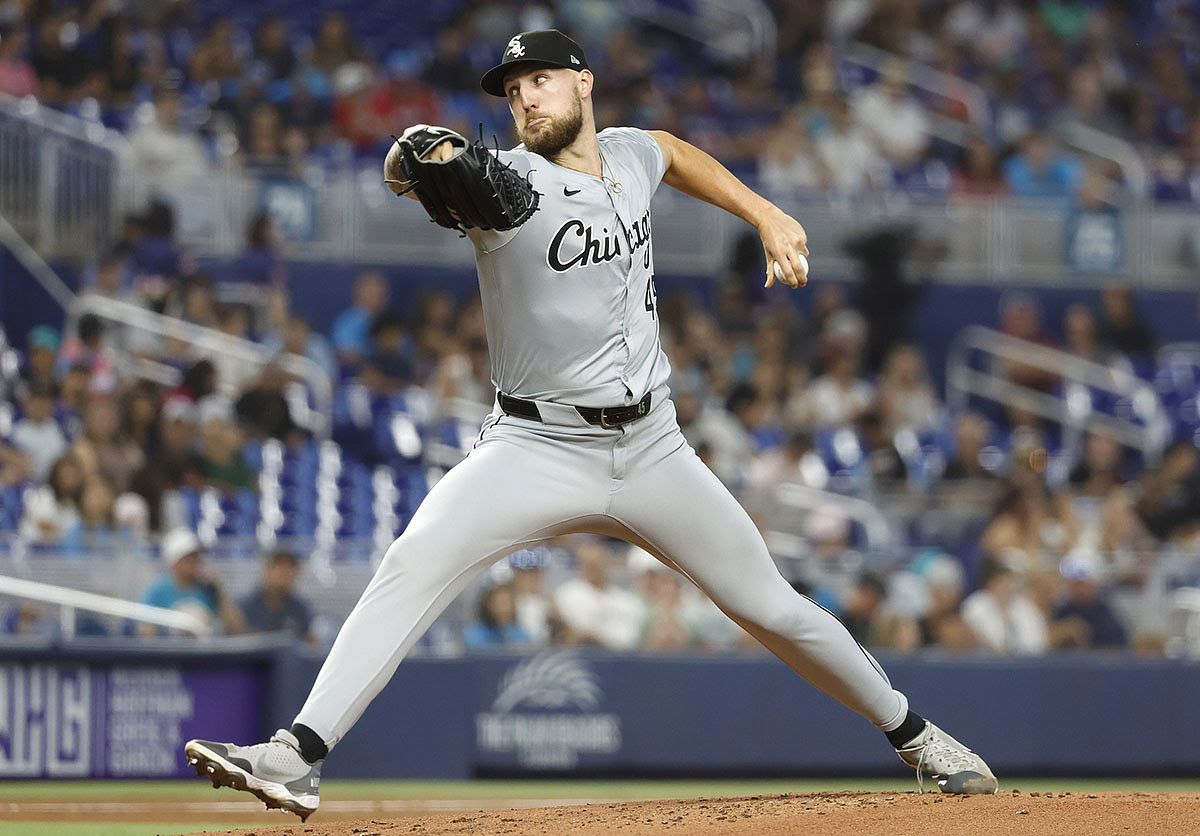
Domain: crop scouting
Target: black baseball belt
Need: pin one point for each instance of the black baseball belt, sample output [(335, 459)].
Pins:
[(606, 416)]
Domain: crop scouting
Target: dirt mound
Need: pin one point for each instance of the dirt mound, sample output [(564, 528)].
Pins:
[(813, 814)]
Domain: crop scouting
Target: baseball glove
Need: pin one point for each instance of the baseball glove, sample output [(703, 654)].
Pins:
[(472, 188)]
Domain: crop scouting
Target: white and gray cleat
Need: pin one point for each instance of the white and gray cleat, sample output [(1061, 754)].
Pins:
[(274, 771), (955, 767)]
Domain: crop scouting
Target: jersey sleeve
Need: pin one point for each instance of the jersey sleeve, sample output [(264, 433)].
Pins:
[(643, 149)]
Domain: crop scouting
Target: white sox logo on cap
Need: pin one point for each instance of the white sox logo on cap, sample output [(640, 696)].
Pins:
[(515, 48)]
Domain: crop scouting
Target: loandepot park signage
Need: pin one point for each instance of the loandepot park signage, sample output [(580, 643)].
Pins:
[(82, 720), (547, 714)]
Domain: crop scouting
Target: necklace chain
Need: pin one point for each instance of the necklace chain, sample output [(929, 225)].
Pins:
[(616, 187)]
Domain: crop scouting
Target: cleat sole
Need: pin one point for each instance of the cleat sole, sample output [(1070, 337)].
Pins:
[(223, 774)]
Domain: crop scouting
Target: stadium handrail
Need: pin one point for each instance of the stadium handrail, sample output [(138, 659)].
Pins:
[(962, 381), (69, 169), (37, 267), (760, 36), (69, 600), (877, 530), (939, 83), (211, 340), (947, 85)]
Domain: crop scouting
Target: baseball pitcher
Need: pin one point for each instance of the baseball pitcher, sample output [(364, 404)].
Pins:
[(583, 436)]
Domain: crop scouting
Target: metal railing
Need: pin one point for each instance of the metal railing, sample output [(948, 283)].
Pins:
[(59, 181), (350, 216), (738, 29), (69, 600), (1072, 409), (1091, 141), (210, 342)]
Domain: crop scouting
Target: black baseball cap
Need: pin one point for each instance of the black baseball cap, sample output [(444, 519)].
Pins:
[(541, 46)]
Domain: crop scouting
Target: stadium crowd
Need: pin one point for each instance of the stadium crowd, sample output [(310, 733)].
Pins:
[(1048, 545), (1013, 541), (971, 96)]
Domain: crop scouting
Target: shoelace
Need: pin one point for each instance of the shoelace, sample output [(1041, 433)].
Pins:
[(952, 757)]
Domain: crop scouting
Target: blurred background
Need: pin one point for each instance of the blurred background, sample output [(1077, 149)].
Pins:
[(973, 436)]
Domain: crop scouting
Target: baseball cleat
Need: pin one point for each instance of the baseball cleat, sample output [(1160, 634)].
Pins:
[(274, 771), (955, 767)]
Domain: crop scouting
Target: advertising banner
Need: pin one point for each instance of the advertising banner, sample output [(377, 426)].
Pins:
[(88, 720)]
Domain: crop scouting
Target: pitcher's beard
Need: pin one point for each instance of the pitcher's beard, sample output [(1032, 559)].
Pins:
[(560, 132)]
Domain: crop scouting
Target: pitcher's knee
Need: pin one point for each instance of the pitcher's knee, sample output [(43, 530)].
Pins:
[(792, 615)]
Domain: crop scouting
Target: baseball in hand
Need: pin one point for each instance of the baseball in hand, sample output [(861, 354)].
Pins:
[(801, 263)]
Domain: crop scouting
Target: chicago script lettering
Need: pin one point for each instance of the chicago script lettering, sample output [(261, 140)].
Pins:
[(576, 244)]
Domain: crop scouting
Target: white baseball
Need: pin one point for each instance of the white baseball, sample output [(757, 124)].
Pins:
[(800, 260)]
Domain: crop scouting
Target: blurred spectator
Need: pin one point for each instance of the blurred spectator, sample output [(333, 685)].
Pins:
[(1170, 493), (535, 609), (199, 381), (841, 395), (334, 44), (667, 626), (594, 609), (1099, 471), (971, 457), (1027, 523), (59, 55), (1021, 317), (906, 398), (866, 616), (161, 148), (96, 529), (845, 147), (15, 466), (260, 264), (272, 50), (53, 508), (157, 260), (1000, 615), (38, 434), (978, 170), (17, 77), (264, 153), (90, 350), (707, 427), (787, 160), (168, 465), (389, 366), (218, 461), (942, 624), (217, 60), (140, 406), (351, 334), (1082, 335), (893, 117), (41, 357), (263, 408), (497, 624), (1042, 169), (189, 585), (465, 378), (298, 338), (886, 295), (102, 450), (274, 606), (1122, 326), (1086, 603), (884, 462)]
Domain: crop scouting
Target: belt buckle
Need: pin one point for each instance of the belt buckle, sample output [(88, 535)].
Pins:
[(604, 420)]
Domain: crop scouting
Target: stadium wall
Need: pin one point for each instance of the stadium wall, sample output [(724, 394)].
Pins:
[(93, 711)]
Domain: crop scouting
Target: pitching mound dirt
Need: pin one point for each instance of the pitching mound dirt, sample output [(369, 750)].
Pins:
[(819, 814)]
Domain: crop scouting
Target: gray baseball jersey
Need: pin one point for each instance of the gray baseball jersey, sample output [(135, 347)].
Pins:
[(568, 297)]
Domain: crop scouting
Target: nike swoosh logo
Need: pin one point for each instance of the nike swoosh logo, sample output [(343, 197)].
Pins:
[(570, 192)]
